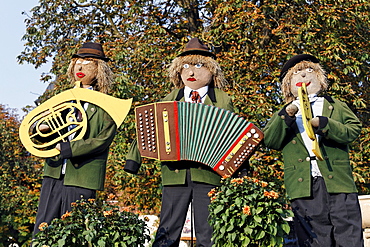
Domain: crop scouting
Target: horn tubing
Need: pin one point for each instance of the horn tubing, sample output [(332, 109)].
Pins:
[(50, 112)]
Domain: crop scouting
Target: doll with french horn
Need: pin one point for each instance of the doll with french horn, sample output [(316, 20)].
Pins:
[(73, 131)]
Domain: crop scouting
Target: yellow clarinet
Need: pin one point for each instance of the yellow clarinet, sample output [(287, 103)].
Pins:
[(306, 119)]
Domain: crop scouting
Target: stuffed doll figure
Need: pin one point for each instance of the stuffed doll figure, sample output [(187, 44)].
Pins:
[(322, 191), (79, 170), (197, 78)]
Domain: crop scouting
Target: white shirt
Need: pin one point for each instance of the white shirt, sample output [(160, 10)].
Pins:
[(202, 93), (317, 104), (71, 136)]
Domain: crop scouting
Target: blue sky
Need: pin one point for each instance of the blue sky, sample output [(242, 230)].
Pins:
[(20, 85)]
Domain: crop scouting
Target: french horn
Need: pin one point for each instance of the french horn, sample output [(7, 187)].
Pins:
[(304, 103), (59, 114)]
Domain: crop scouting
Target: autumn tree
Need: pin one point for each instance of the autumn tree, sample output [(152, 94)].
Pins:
[(20, 182), (252, 40)]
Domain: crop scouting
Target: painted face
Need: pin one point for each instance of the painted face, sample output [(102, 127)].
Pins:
[(196, 76), (306, 75), (85, 71)]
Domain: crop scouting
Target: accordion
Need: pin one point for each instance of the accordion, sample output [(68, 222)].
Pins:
[(218, 138)]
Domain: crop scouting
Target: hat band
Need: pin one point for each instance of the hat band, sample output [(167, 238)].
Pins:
[(91, 51)]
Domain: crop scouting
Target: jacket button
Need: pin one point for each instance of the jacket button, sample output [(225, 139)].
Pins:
[(300, 179), (330, 176), (199, 168), (326, 157), (294, 141), (282, 117), (331, 107), (177, 170), (300, 160), (308, 159)]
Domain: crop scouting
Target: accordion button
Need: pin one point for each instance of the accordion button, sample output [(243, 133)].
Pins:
[(249, 134), (221, 167), (256, 136), (253, 131)]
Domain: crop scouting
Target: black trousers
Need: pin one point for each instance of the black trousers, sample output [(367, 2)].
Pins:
[(175, 203), (328, 220), (56, 199)]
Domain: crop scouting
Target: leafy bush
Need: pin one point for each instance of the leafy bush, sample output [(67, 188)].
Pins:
[(247, 212), (20, 182), (93, 224)]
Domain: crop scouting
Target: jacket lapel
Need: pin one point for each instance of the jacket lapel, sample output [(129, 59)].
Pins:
[(90, 111), (328, 108)]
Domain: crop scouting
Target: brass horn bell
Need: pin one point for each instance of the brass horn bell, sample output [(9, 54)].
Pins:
[(59, 114)]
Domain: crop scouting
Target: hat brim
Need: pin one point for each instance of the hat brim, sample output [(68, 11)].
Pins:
[(87, 55), (197, 52), (295, 60)]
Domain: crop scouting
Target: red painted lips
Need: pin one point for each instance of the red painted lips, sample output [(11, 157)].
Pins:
[(192, 79), (80, 74), (299, 84)]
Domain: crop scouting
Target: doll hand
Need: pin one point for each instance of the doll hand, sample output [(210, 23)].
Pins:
[(291, 109), (315, 122), (44, 128), (58, 146)]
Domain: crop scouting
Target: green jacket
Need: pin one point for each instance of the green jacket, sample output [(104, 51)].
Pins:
[(174, 173), (86, 158), (339, 126)]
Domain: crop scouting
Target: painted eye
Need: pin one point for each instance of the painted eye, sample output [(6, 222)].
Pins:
[(186, 66), (309, 70), (296, 72), (198, 65), (86, 62), (78, 61)]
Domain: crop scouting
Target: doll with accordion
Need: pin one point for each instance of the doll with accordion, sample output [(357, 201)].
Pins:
[(196, 143)]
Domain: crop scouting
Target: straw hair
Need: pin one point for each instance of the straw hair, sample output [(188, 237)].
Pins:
[(321, 76), (104, 78), (211, 64)]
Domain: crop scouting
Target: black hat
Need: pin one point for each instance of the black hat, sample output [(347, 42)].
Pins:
[(295, 60), (196, 47), (90, 49)]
